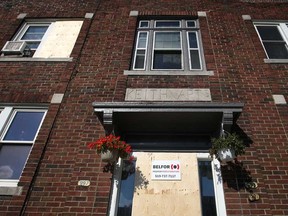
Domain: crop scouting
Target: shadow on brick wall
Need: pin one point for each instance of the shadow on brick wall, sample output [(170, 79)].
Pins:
[(235, 174)]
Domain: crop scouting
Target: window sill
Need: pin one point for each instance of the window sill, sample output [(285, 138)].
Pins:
[(9, 188), (8, 183), (10, 191), (169, 73), (27, 59), (276, 61)]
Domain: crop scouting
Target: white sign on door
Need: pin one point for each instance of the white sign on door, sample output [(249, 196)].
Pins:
[(166, 170)]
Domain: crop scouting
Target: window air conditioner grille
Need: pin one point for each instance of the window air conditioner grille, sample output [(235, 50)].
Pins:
[(14, 47)]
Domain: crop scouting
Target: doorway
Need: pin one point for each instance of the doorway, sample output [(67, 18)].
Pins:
[(193, 186)]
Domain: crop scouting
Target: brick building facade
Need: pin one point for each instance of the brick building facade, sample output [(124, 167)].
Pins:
[(165, 76)]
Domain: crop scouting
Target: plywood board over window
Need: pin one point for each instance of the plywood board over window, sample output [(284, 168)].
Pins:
[(59, 40)]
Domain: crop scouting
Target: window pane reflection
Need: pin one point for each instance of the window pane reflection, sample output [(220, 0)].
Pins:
[(35, 33), (126, 189), (12, 160), (142, 40), (207, 188), (24, 126), (167, 40)]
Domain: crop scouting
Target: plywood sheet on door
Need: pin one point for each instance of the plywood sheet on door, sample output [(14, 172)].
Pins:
[(165, 198)]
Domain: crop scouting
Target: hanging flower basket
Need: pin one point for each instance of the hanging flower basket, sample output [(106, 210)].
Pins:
[(111, 148), (226, 154), (109, 156), (227, 147)]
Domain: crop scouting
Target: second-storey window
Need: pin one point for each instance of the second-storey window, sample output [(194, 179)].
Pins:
[(32, 34), (274, 38), (44, 39), (168, 45)]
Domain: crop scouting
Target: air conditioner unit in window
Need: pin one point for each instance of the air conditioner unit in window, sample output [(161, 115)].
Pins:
[(14, 47)]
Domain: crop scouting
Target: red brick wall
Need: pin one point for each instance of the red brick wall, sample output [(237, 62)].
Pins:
[(102, 52)]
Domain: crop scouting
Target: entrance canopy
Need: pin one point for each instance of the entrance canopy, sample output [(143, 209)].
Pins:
[(131, 118)]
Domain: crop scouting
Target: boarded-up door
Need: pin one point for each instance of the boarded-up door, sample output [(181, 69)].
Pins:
[(167, 197)]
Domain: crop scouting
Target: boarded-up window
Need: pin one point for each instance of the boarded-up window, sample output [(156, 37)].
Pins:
[(59, 40)]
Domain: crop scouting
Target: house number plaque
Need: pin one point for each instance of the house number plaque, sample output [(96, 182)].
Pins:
[(84, 183)]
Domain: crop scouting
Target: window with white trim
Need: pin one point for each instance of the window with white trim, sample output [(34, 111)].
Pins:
[(211, 186), (18, 131), (32, 34), (274, 38), (172, 45), (44, 39), (126, 191)]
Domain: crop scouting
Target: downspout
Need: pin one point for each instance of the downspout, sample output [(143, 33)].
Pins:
[(73, 74)]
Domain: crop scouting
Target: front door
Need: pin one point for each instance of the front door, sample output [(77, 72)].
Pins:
[(189, 189), (163, 195)]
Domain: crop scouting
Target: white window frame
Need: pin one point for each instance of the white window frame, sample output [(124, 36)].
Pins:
[(217, 181), (143, 21), (199, 50), (137, 49), (167, 49), (116, 187), (53, 47), (195, 23), (24, 29), (7, 115), (283, 29), (185, 56)]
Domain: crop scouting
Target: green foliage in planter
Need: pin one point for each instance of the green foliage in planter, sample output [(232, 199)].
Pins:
[(231, 141)]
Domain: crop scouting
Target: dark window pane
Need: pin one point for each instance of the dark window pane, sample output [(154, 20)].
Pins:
[(276, 50), (139, 63), (33, 45), (126, 189), (12, 160), (24, 126), (195, 60), (143, 24), (167, 60), (167, 24), (207, 189), (191, 24), (269, 33), (192, 40)]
